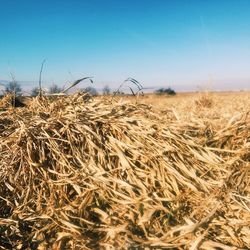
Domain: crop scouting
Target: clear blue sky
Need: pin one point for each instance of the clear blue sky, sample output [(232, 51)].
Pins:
[(159, 42)]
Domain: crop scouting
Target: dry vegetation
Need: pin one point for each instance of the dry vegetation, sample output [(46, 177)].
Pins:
[(143, 173)]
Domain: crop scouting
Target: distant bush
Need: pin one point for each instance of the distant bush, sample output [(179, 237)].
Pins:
[(168, 91), (13, 87), (106, 90), (54, 89), (90, 90), (35, 91)]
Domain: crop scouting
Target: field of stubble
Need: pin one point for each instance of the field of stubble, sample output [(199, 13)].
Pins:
[(150, 172)]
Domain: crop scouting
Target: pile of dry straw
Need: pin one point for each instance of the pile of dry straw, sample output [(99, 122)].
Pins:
[(77, 174)]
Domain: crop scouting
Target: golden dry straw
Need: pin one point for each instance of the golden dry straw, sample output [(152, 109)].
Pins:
[(79, 173)]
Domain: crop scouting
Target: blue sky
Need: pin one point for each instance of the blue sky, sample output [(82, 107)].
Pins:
[(181, 43)]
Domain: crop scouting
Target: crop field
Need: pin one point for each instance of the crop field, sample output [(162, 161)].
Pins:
[(144, 172)]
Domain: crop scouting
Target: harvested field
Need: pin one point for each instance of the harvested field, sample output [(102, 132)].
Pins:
[(152, 172)]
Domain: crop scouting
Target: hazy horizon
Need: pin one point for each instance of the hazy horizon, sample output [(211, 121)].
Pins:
[(220, 85)]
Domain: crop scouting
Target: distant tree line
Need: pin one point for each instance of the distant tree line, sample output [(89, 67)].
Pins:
[(15, 87)]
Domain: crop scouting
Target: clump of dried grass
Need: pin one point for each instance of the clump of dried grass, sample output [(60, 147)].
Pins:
[(204, 101), (84, 174), (10, 100), (6, 101)]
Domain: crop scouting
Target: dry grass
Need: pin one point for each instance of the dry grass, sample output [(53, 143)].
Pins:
[(90, 174), (205, 100)]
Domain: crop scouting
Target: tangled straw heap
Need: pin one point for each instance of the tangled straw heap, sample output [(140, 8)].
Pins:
[(90, 174)]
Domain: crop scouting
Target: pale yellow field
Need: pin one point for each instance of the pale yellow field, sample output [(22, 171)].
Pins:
[(224, 104)]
